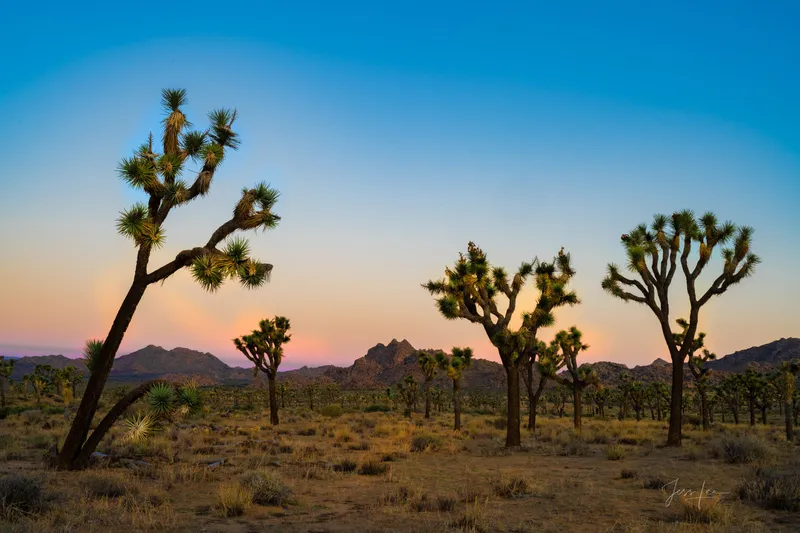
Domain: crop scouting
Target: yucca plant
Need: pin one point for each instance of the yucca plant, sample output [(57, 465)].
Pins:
[(140, 427), (158, 172), (455, 365), (654, 254)]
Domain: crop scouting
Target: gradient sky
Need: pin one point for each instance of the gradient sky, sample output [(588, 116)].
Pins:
[(396, 135)]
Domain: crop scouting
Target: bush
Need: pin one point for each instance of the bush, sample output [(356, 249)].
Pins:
[(615, 452), (266, 488), (307, 432), (515, 487), (20, 494), (424, 441), (628, 474), (740, 449), (772, 490), (104, 485), (376, 408), (345, 465), (332, 411), (373, 468), (233, 499)]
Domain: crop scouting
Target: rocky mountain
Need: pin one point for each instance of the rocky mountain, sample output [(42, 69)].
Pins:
[(383, 366)]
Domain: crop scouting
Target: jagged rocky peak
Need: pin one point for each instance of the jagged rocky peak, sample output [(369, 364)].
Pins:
[(659, 362)]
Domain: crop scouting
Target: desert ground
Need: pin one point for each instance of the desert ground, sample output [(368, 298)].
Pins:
[(335, 470)]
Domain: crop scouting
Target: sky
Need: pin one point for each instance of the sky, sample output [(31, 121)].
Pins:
[(396, 134)]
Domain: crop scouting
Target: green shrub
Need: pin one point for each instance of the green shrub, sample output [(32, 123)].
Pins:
[(20, 495), (740, 449), (425, 441), (615, 452)]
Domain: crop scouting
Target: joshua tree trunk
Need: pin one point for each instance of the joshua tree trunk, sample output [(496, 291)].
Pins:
[(535, 403), (3, 393), (704, 408), (752, 407), (273, 401), (675, 417), (427, 399), (74, 450), (764, 415), (457, 405), (513, 434), (787, 413), (576, 403)]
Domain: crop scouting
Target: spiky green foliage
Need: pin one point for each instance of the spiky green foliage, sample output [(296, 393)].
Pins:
[(264, 346), (162, 399), (408, 389)]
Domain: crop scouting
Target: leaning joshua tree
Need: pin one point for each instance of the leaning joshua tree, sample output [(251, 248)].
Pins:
[(654, 255), (157, 172), (427, 363), (697, 365), (264, 348), (455, 365), (470, 290), (570, 344)]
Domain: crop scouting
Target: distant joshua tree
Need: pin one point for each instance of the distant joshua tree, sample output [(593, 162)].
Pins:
[(654, 255), (580, 377), (158, 175), (470, 290), (408, 389), (455, 365), (427, 363), (697, 365), (264, 348), (6, 368), (787, 376)]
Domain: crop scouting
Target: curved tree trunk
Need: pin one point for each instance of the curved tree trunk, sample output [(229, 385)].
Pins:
[(81, 461), (512, 430), (72, 449), (273, 401), (674, 436)]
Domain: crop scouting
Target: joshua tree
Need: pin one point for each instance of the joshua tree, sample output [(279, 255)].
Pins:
[(470, 291), (455, 365), (548, 364), (787, 377), (71, 377), (6, 368), (428, 365), (601, 397), (158, 175), (697, 364), (283, 390), (654, 254), (730, 390), (311, 391), (264, 348), (570, 344), (753, 382), (408, 389)]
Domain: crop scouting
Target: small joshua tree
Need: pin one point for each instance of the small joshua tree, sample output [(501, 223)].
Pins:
[(753, 382), (470, 291), (455, 365), (730, 391), (158, 176), (427, 363), (408, 389), (697, 365), (787, 377), (264, 348), (6, 368), (549, 362), (654, 255), (70, 377), (580, 377)]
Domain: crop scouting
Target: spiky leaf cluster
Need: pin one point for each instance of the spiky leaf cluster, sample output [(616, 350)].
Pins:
[(455, 365), (140, 427), (264, 346)]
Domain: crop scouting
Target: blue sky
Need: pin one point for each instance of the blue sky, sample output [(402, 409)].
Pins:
[(397, 134)]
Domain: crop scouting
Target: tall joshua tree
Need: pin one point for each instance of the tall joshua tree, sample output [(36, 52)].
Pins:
[(470, 290), (455, 365), (159, 177), (580, 377), (654, 254), (697, 365), (6, 368), (264, 348), (427, 363)]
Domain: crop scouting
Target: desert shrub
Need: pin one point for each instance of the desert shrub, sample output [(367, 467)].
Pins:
[(514, 487), (345, 465), (376, 408), (656, 481), (104, 485), (628, 474), (772, 490), (396, 498), (332, 411), (739, 449), (285, 448), (20, 495), (425, 441), (307, 432), (266, 488), (615, 452), (33, 417), (233, 499), (702, 511), (574, 446), (362, 446), (372, 468), (497, 423)]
